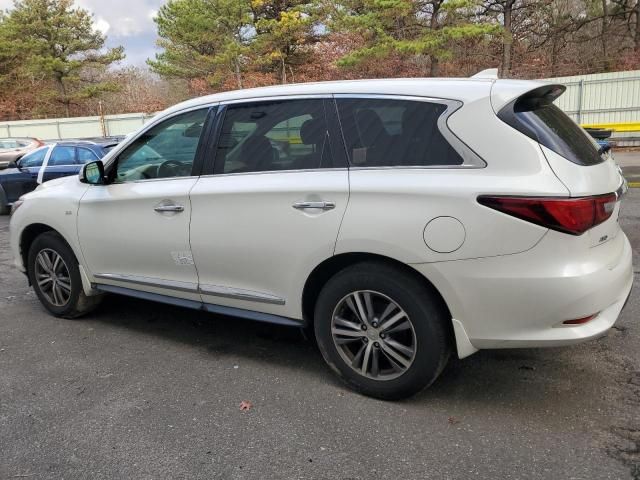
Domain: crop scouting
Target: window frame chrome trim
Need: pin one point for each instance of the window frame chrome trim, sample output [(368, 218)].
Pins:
[(470, 159), (275, 98), (271, 172)]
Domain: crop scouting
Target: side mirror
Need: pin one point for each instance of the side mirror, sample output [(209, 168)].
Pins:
[(13, 164), (93, 173)]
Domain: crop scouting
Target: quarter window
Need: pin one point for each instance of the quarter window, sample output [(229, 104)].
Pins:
[(387, 133), (268, 136), (165, 151)]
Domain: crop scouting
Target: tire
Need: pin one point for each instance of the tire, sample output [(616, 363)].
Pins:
[(4, 208), (68, 300), (406, 355)]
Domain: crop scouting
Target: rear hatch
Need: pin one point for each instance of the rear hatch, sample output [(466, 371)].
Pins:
[(586, 169)]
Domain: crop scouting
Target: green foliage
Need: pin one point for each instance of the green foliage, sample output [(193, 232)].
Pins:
[(283, 29), (53, 40), (203, 39), (215, 40), (407, 27)]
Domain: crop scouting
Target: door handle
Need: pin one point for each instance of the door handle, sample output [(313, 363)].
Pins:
[(315, 205), (169, 208)]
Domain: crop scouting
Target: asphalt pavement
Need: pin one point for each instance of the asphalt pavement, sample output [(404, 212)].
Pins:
[(144, 391)]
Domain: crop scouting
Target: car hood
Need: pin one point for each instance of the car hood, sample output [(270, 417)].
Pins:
[(58, 181)]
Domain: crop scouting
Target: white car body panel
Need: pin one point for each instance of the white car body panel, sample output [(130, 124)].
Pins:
[(585, 180), (508, 283), (138, 247), (238, 218), (54, 204)]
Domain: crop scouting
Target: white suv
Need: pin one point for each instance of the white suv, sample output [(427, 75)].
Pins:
[(400, 219)]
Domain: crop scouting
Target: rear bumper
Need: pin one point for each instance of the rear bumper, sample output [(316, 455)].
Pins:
[(518, 301)]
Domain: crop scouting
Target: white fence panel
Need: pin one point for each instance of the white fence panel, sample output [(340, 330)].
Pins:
[(77, 127), (602, 97)]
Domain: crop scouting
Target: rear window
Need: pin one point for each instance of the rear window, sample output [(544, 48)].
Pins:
[(538, 118), (388, 133)]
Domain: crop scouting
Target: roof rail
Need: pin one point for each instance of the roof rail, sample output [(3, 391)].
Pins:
[(489, 73)]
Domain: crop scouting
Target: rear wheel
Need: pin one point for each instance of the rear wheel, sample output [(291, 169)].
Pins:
[(55, 276), (382, 330)]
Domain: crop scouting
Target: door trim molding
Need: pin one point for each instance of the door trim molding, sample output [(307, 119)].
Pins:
[(208, 307), (213, 290), (150, 282), (241, 294)]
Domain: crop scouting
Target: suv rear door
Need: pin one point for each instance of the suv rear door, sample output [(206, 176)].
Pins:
[(269, 206), (572, 154)]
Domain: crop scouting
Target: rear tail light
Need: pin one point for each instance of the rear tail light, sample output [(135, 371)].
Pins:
[(569, 215)]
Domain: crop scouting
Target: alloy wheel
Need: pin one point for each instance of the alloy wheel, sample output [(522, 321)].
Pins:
[(52, 275), (373, 335)]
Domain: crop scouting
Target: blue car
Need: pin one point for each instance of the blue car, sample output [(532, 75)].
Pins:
[(56, 160)]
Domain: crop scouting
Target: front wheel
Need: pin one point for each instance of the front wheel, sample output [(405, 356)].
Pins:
[(382, 330), (55, 276)]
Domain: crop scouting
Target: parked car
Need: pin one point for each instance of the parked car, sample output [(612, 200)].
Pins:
[(46, 163), (12, 149), (601, 136), (399, 220)]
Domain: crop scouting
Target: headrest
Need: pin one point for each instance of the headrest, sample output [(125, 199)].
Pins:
[(313, 132)]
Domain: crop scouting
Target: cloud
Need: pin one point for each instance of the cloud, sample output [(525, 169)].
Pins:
[(102, 25), (125, 22)]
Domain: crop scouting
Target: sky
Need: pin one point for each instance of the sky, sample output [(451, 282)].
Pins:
[(125, 22)]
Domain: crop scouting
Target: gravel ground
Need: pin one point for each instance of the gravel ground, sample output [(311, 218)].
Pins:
[(146, 391)]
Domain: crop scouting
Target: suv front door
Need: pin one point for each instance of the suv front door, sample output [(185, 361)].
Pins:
[(270, 207), (134, 231)]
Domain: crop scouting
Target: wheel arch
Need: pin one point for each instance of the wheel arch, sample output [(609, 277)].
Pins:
[(30, 233), (331, 266)]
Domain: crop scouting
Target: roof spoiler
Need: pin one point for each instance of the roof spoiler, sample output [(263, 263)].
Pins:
[(508, 91)]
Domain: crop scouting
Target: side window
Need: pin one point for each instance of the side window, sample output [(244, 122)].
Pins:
[(35, 158), (385, 133), (85, 155), (268, 136), (165, 151), (62, 156)]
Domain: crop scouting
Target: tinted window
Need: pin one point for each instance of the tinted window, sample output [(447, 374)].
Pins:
[(380, 133), (85, 155), (35, 158), (166, 150), (62, 156), (550, 126), (283, 135)]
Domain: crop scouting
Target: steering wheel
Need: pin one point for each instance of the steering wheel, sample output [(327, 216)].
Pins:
[(170, 168)]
